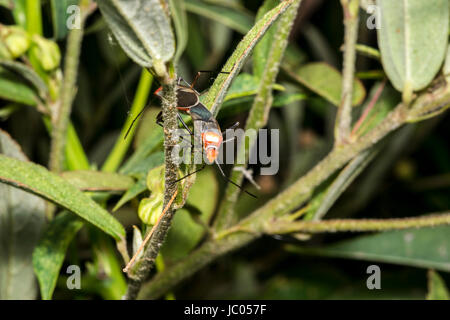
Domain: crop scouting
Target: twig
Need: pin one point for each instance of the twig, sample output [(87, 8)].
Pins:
[(357, 225), (344, 114), (141, 270)]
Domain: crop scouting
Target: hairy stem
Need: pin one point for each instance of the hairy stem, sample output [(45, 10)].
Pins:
[(357, 225), (344, 116), (143, 267)]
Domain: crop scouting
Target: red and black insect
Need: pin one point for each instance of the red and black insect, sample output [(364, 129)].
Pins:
[(188, 101)]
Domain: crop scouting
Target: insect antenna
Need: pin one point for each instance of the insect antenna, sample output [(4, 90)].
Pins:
[(190, 174), (134, 120), (234, 183)]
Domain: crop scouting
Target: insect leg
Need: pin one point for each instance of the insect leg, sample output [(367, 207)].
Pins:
[(234, 183)]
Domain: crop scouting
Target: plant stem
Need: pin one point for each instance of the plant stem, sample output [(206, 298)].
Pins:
[(357, 225), (34, 17), (344, 116), (368, 51), (61, 115), (259, 112), (146, 263), (117, 154)]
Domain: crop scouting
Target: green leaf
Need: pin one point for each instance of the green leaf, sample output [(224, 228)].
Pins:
[(187, 230), (13, 89), (38, 180), (148, 146), (423, 248), (437, 289), (144, 165), (27, 73), (22, 218), (246, 85), (412, 40), (49, 254), (89, 180), (233, 19), (139, 187), (262, 49), (142, 28), (60, 17), (324, 201), (234, 64), (178, 10), (19, 13), (326, 81), (287, 98)]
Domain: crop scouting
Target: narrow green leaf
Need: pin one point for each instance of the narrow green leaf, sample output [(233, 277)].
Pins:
[(262, 49), (412, 40), (19, 13), (139, 187), (49, 254), (233, 19), (27, 73), (284, 99), (323, 203), (60, 17), (38, 180), (423, 248), (89, 180), (234, 64), (246, 85), (13, 89), (149, 146), (326, 81), (178, 10), (143, 166), (142, 28), (437, 290), (22, 218)]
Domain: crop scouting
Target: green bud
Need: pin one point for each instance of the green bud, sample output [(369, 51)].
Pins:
[(15, 40), (47, 52), (150, 208), (155, 179)]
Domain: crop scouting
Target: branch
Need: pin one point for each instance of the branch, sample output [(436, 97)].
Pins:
[(357, 225), (344, 116), (259, 112), (143, 267)]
